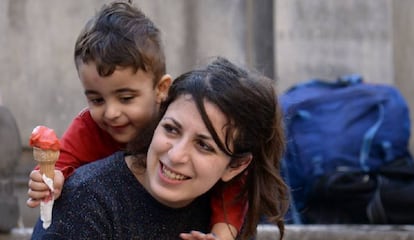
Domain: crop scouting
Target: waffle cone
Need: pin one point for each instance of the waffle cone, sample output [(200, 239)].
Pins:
[(46, 160)]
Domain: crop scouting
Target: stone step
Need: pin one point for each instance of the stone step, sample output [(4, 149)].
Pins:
[(302, 232), (342, 232)]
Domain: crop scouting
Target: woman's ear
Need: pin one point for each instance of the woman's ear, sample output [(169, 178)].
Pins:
[(231, 171), (162, 87)]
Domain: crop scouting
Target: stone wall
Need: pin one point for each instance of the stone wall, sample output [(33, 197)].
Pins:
[(39, 82), (289, 40)]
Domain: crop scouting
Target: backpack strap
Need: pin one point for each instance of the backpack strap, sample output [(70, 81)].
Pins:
[(368, 137), (350, 79), (375, 209), (342, 81), (296, 219), (296, 216)]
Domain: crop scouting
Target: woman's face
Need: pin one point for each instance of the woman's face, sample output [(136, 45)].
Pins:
[(183, 160)]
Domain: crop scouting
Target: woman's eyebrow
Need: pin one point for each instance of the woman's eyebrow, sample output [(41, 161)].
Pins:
[(201, 136), (174, 121)]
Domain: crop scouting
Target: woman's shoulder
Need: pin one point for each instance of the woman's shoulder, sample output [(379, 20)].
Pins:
[(98, 172)]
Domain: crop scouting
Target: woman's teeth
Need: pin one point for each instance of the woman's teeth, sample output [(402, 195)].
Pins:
[(172, 175)]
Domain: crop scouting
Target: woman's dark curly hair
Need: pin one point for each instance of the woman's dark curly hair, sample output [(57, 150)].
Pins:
[(249, 102)]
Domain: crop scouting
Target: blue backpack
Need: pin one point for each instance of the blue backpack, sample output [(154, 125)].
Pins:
[(343, 137)]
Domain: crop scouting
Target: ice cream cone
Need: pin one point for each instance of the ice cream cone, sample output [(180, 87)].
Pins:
[(46, 152), (46, 160)]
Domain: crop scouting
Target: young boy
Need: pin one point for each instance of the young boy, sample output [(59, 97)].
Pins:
[(121, 64)]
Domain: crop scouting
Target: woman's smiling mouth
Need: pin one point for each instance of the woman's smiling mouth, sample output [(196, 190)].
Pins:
[(168, 173)]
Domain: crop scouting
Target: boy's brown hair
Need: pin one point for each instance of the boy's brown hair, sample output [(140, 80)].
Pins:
[(120, 35)]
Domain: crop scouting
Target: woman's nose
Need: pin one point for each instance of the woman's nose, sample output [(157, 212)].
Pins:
[(179, 151)]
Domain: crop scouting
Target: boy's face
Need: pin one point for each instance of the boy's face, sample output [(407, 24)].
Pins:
[(123, 103)]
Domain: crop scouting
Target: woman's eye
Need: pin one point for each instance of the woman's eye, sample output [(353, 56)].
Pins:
[(170, 128), (206, 147)]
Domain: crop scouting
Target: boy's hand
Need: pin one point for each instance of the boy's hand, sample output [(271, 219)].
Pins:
[(220, 231), (38, 190), (196, 235)]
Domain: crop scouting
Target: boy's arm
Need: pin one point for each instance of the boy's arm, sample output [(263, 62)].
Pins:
[(74, 148), (83, 142), (228, 212), (224, 231)]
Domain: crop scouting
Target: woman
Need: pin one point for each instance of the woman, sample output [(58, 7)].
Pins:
[(219, 124)]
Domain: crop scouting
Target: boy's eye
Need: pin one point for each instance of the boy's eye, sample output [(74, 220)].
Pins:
[(126, 99), (96, 101)]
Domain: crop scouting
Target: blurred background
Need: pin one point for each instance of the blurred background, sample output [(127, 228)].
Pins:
[(288, 40)]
